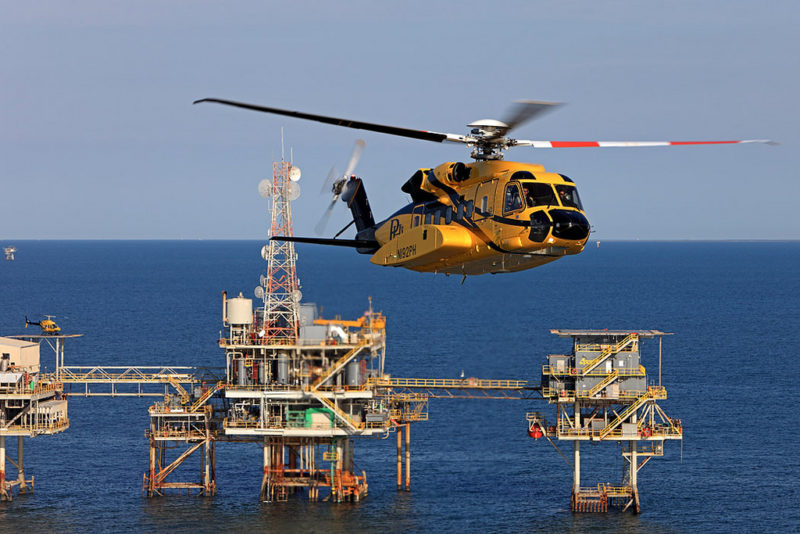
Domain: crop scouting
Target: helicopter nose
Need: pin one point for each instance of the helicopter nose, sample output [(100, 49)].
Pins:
[(571, 225)]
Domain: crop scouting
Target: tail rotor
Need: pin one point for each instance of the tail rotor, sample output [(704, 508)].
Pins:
[(340, 185)]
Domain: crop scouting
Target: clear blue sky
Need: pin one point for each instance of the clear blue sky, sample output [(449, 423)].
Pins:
[(98, 137)]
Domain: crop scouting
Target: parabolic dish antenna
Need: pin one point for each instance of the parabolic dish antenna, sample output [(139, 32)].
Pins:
[(294, 174), (259, 292), (263, 280), (265, 188), (264, 252), (297, 295), (293, 191)]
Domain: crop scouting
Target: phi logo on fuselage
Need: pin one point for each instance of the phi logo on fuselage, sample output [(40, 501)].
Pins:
[(395, 228)]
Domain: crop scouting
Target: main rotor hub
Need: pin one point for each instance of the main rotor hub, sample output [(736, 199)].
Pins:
[(488, 138)]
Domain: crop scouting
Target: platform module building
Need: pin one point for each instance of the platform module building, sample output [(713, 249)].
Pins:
[(305, 399), (31, 404), (601, 393)]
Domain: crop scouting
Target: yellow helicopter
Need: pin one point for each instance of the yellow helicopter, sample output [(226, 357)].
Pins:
[(48, 325), (488, 216)]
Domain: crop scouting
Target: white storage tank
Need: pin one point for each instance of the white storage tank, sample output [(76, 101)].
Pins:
[(240, 310)]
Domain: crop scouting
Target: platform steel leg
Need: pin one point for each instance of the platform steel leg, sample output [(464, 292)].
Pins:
[(399, 458), (408, 456), (23, 486), (5, 494)]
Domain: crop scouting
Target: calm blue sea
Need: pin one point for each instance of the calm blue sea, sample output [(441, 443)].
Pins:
[(731, 371)]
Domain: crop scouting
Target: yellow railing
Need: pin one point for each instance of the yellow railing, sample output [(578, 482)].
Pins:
[(608, 351), (653, 392), (463, 383), (594, 347), (207, 395), (174, 434), (623, 371), (339, 413), (603, 383), (39, 388), (184, 395), (106, 375), (56, 426), (340, 363), (659, 432)]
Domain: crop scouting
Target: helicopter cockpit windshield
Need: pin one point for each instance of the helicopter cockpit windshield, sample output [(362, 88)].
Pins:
[(539, 194), (569, 197)]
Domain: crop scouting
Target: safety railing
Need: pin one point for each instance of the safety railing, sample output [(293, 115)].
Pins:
[(38, 428), (548, 370), (207, 395), (175, 434), (38, 389), (341, 415), (596, 347), (119, 374), (653, 392), (608, 351), (340, 363), (603, 383), (451, 383)]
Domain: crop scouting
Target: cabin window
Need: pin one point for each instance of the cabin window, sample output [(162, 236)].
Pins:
[(460, 212), (437, 217), (470, 208), (538, 194), (485, 205), (428, 217), (416, 220), (513, 199), (448, 216), (568, 196)]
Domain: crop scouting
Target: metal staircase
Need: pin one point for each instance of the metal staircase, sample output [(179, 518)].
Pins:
[(207, 395), (184, 395), (340, 363), (608, 351), (603, 383), (343, 416), (630, 410)]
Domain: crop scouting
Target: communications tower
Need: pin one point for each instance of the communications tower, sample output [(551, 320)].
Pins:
[(279, 289)]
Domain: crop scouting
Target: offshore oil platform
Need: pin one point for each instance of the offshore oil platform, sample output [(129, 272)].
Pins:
[(601, 394), (304, 387)]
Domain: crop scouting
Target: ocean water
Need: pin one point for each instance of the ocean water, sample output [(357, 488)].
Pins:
[(731, 371)]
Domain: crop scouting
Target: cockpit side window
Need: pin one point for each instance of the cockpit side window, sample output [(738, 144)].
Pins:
[(568, 196), (512, 198), (538, 194)]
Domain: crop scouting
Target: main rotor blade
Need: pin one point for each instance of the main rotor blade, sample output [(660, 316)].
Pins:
[(525, 110), (354, 157), (323, 221), (626, 144), (347, 123)]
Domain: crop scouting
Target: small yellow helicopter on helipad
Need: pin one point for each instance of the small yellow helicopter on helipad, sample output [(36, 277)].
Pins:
[(48, 325), (488, 216)]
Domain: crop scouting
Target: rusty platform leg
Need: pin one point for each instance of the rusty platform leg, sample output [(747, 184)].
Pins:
[(408, 456), (151, 479), (23, 484), (399, 458)]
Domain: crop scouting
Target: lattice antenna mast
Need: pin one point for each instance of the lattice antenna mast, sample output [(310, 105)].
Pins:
[(281, 288)]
